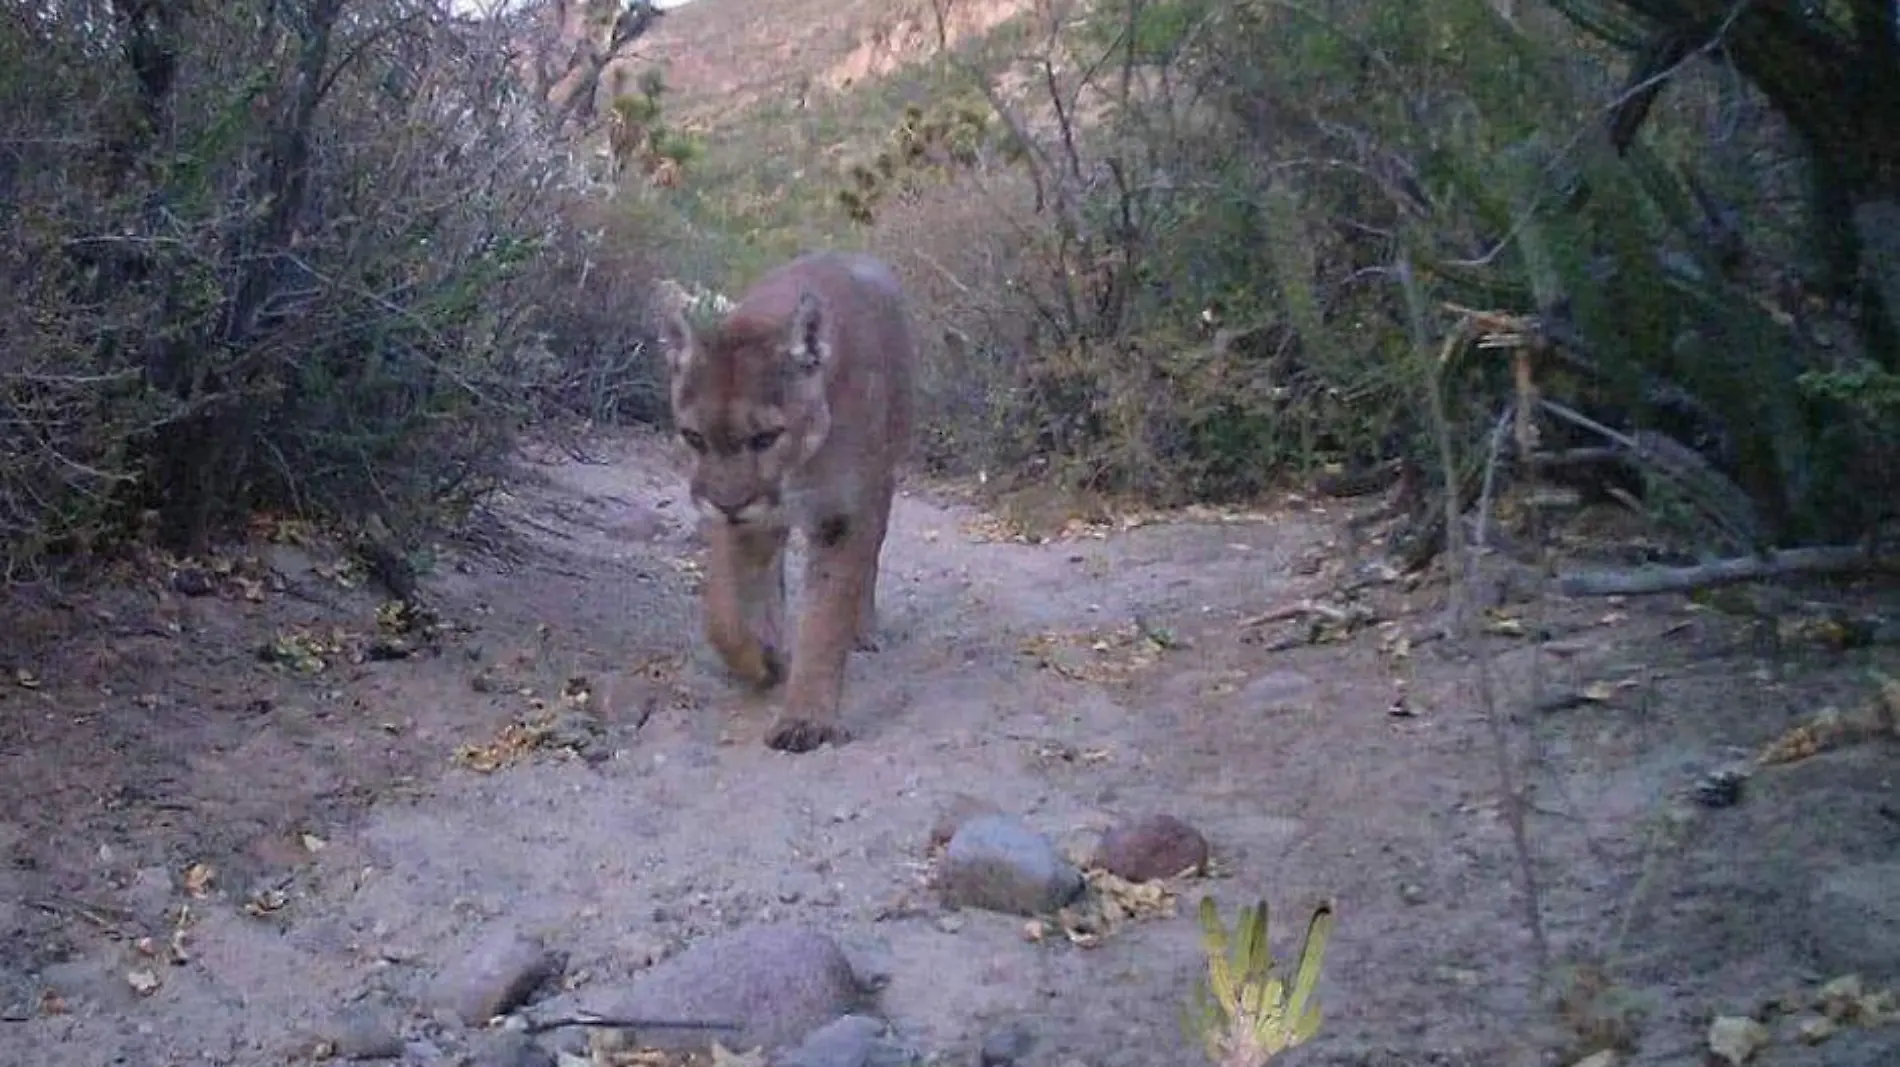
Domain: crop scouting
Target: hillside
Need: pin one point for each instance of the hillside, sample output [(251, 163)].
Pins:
[(723, 57)]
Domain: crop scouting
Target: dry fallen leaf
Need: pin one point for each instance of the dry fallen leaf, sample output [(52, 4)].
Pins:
[(1101, 656), (725, 1057), (1602, 692), (266, 901), (198, 879), (1830, 728), (1736, 1038), (1108, 904), (1889, 703), (1504, 626), (1814, 1029), (514, 741)]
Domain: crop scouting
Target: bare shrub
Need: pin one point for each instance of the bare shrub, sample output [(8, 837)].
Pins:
[(597, 329), (1134, 300), (269, 256)]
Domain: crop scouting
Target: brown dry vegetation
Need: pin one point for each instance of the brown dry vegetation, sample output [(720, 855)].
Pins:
[(1573, 279)]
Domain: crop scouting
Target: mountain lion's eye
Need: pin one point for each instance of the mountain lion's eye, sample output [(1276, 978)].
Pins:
[(694, 440), (762, 441)]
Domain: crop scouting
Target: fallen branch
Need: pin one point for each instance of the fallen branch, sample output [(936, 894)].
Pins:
[(1644, 581), (1715, 496), (1580, 457), (607, 1022), (1299, 611), (1360, 482)]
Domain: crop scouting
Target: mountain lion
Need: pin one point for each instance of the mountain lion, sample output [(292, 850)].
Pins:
[(795, 410)]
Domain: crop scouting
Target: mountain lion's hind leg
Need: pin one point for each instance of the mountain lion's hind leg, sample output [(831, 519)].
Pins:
[(880, 520)]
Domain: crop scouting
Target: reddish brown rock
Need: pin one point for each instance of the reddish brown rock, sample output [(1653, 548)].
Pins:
[(1151, 847)]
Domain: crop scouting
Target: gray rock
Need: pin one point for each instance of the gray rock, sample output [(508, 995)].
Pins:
[(777, 982), (574, 1041), (362, 1032), (577, 730), (1276, 689), (1005, 1046), (848, 1041), (642, 949), (509, 1048), (959, 809), (1152, 847), (1859, 1046), (149, 896), (1080, 846), (1854, 925), (872, 963), (498, 974), (996, 863), (86, 979)]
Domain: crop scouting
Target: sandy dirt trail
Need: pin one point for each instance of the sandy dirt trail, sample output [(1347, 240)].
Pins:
[(153, 760)]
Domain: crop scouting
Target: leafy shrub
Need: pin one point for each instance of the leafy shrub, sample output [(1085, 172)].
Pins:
[(1199, 213)]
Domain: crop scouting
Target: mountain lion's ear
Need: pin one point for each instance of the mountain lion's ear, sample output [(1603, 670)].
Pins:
[(676, 340), (806, 344)]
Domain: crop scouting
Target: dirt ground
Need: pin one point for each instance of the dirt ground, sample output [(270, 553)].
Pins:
[(326, 844)]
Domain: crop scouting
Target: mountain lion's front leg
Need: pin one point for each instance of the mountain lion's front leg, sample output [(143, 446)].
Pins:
[(843, 553), (745, 600)]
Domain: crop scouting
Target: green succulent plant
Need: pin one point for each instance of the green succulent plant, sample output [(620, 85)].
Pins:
[(1242, 1013)]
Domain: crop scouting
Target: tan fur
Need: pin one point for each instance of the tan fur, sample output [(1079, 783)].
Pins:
[(795, 412)]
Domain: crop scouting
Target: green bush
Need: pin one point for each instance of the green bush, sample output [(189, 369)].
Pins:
[(1208, 203)]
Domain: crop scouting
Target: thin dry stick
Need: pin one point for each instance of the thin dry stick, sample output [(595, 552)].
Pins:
[(589, 1020), (1515, 804), (1448, 460), (1480, 538), (1516, 817)]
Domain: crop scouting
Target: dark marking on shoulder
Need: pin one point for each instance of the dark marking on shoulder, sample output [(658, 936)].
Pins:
[(832, 530)]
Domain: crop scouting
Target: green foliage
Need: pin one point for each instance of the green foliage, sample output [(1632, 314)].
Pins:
[(681, 148), (636, 110), (638, 137), (1157, 31), (1242, 1012), (1873, 390), (1616, 238), (924, 148)]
